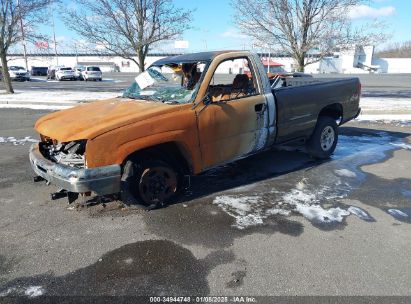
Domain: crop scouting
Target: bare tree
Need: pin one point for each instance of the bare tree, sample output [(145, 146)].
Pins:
[(17, 23), (127, 28), (298, 27), (396, 50)]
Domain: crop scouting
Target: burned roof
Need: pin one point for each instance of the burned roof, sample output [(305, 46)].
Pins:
[(193, 57)]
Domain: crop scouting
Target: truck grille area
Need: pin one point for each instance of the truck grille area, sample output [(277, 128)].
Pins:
[(70, 154)]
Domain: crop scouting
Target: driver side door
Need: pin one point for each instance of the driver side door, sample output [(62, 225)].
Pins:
[(234, 122)]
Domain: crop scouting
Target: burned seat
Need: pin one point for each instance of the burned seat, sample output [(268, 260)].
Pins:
[(239, 88)]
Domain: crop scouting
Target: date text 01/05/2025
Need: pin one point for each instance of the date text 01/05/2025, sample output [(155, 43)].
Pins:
[(220, 299)]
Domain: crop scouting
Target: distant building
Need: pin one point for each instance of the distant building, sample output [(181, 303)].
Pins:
[(107, 63), (272, 66), (355, 60)]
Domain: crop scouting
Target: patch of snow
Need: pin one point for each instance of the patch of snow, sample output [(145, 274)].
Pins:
[(34, 291), (388, 118), (240, 204), (296, 196), (33, 106), (317, 188), (249, 220), (360, 213), (397, 213), (247, 210), (7, 292), (385, 104), (317, 214), (345, 173), (17, 142), (55, 97), (307, 203), (279, 211)]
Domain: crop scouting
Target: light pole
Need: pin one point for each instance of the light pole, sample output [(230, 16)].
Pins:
[(22, 36), (75, 49), (205, 31), (54, 38)]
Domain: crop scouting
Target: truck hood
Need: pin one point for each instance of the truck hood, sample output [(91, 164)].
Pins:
[(92, 119)]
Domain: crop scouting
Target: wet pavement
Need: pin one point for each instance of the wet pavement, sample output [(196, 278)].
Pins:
[(277, 223)]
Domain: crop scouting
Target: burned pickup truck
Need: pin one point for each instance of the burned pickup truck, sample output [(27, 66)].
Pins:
[(184, 115)]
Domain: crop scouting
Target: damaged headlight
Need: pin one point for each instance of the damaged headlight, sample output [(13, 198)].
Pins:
[(67, 153)]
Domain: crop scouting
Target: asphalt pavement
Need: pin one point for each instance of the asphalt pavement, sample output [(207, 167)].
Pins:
[(277, 223)]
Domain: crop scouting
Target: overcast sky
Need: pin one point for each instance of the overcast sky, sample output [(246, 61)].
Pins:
[(213, 26)]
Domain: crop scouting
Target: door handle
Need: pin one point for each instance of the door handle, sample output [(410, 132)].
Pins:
[(259, 107)]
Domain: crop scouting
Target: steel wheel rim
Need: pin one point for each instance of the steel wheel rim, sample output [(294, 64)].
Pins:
[(327, 138), (157, 184)]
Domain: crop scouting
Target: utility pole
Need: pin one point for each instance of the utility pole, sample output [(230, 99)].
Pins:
[(54, 37), (75, 49), (23, 37), (205, 32)]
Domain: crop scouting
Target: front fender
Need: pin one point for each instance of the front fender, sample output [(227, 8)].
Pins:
[(115, 146)]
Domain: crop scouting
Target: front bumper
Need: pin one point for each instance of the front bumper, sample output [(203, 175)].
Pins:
[(67, 77), (101, 180), (93, 76), (20, 77)]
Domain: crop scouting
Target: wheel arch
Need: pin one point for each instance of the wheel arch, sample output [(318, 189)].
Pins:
[(169, 151), (334, 110)]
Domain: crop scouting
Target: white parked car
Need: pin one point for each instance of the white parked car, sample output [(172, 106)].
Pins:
[(65, 73), (92, 73), (19, 73), (77, 72)]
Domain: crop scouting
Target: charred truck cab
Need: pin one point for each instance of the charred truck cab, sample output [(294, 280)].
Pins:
[(184, 115)]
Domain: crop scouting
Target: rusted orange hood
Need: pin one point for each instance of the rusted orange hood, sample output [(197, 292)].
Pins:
[(92, 119)]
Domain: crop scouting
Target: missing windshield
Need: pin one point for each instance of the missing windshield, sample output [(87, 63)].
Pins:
[(174, 83)]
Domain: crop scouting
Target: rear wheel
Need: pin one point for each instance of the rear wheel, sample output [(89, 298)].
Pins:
[(152, 183), (324, 139)]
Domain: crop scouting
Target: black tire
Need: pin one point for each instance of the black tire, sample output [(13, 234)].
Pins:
[(139, 179), (324, 139)]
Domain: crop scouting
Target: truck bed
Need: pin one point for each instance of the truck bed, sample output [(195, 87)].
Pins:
[(299, 102)]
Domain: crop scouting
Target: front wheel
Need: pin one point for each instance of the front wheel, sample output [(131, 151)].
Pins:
[(152, 183), (324, 139)]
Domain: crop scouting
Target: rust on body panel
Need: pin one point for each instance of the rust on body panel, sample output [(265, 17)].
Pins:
[(118, 127), (178, 126)]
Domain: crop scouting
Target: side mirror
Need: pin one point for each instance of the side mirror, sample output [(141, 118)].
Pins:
[(206, 99)]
